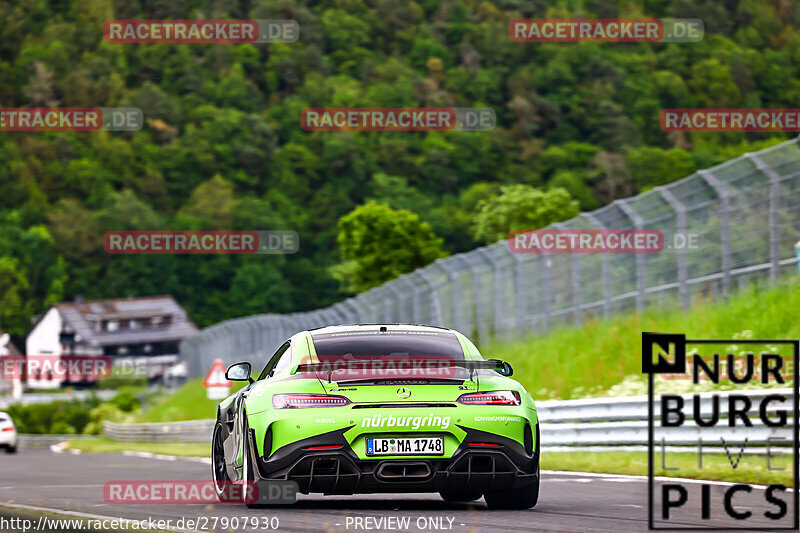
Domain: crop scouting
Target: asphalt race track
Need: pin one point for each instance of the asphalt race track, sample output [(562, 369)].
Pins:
[(46, 482)]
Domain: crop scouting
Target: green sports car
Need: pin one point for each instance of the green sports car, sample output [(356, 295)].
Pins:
[(381, 408)]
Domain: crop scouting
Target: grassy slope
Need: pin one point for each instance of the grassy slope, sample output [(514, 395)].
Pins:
[(188, 403), (575, 362)]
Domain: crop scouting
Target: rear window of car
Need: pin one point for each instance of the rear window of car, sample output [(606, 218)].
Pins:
[(377, 343), (4, 418)]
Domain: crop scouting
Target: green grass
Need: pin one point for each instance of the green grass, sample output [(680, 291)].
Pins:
[(587, 360), (187, 403), (105, 445), (751, 468)]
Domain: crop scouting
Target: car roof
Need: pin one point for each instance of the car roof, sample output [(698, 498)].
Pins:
[(389, 328)]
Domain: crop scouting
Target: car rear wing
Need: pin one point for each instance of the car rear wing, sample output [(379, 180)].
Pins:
[(329, 367)]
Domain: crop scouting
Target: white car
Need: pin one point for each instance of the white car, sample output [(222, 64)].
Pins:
[(8, 433)]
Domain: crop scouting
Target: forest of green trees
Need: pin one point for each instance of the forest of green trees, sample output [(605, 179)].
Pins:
[(222, 147)]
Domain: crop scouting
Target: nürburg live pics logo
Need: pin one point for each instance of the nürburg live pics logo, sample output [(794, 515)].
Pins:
[(735, 419)]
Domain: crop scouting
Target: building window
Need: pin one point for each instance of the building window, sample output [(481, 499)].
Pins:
[(112, 325)]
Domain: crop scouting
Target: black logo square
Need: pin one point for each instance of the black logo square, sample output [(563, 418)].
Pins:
[(663, 353)]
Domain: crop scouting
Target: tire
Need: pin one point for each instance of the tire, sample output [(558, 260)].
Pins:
[(11, 449), (248, 473), (521, 498), (456, 495), (219, 471)]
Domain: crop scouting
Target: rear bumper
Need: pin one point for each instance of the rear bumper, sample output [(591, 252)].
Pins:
[(506, 465), (8, 439)]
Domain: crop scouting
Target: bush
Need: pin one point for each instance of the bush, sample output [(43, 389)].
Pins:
[(75, 416), (105, 411), (53, 418), (126, 399)]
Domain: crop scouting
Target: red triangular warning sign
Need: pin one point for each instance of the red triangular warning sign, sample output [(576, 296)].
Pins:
[(216, 376)]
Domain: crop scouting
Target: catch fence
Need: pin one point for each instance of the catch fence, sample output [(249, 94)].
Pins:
[(744, 214)]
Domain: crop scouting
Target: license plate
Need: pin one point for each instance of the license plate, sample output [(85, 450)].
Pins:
[(405, 446)]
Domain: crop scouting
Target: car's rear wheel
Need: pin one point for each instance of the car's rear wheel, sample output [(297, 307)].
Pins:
[(521, 498), (218, 467), (11, 449), (459, 495), (248, 473)]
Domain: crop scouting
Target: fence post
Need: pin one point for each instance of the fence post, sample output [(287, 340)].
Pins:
[(398, 298), (604, 259), (774, 227), (416, 298), (575, 281), (725, 231), (455, 294), (498, 289), (680, 212), (520, 293), (337, 308), (480, 327), (638, 223), (547, 288), (361, 309), (401, 295), (434, 293)]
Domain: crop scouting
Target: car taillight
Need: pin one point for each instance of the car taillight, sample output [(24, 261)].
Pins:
[(9, 428), (294, 401), (503, 397)]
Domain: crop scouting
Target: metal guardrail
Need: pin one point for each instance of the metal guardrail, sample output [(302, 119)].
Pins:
[(185, 431), (623, 421), (571, 423), (28, 440)]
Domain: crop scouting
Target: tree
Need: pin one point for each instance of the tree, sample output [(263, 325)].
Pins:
[(651, 166), (521, 207), (14, 310), (379, 243)]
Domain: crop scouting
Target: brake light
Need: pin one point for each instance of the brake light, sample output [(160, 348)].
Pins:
[(503, 397), (9, 428), (483, 444), (333, 447), (296, 401)]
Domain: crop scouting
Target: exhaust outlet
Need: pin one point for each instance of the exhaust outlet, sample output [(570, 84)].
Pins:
[(403, 471)]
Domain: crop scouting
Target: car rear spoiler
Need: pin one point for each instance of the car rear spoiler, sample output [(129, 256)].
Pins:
[(501, 367)]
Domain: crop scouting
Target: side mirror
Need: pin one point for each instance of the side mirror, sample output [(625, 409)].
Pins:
[(505, 367), (239, 372)]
